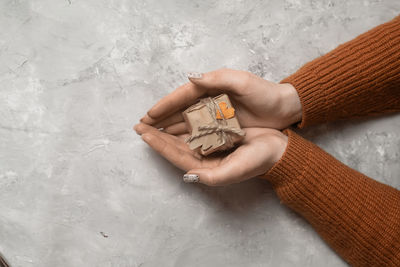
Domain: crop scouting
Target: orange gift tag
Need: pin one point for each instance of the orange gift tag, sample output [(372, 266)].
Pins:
[(227, 112)]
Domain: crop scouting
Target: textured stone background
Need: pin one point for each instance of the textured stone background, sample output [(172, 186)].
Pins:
[(75, 75)]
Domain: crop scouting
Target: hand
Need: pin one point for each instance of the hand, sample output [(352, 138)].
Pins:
[(258, 152), (258, 102)]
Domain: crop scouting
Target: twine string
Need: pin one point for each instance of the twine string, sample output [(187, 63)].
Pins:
[(218, 126)]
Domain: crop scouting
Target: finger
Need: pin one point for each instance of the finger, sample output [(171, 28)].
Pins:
[(142, 128), (177, 141), (173, 154), (245, 162), (228, 80), (177, 128), (223, 174), (174, 118), (182, 97), (148, 120), (218, 176)]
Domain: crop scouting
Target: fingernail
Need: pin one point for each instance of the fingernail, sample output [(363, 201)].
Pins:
[(191, 178), (145, 119), (195, 75)]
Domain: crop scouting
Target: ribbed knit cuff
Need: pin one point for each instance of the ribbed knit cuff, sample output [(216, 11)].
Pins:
[(358, 216), (358, 78), (293, 161), (306, 83)]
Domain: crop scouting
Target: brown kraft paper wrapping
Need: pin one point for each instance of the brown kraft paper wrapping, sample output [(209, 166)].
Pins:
[(213, 125)]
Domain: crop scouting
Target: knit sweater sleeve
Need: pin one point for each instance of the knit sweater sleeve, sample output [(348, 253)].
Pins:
[(358, 78), (356, 215)]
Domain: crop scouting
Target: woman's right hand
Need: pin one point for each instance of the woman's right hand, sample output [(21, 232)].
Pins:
[(260, 149), (258, 102)]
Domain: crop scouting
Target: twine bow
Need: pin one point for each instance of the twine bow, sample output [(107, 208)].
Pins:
[(219, 126)]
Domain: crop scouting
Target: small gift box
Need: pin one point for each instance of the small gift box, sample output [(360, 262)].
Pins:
[(213, 125)]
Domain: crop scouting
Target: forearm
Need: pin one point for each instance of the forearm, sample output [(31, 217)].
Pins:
[(358, 78), (357, 216)]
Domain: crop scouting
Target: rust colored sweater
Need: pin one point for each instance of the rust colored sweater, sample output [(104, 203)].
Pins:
[(356, 215)]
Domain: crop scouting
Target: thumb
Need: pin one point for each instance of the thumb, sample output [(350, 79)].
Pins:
[(220, 175), (223, 79)]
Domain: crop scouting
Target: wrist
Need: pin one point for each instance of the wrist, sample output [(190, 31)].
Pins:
[(290, 104), (281, 147)]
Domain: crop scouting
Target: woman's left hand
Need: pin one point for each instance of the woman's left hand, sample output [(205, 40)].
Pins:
[(260, 149)]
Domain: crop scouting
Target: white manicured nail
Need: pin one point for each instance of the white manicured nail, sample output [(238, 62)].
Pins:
[(195, 75), (191, 178)]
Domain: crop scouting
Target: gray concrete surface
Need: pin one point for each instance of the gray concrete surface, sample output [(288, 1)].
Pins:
[(75, 75)]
